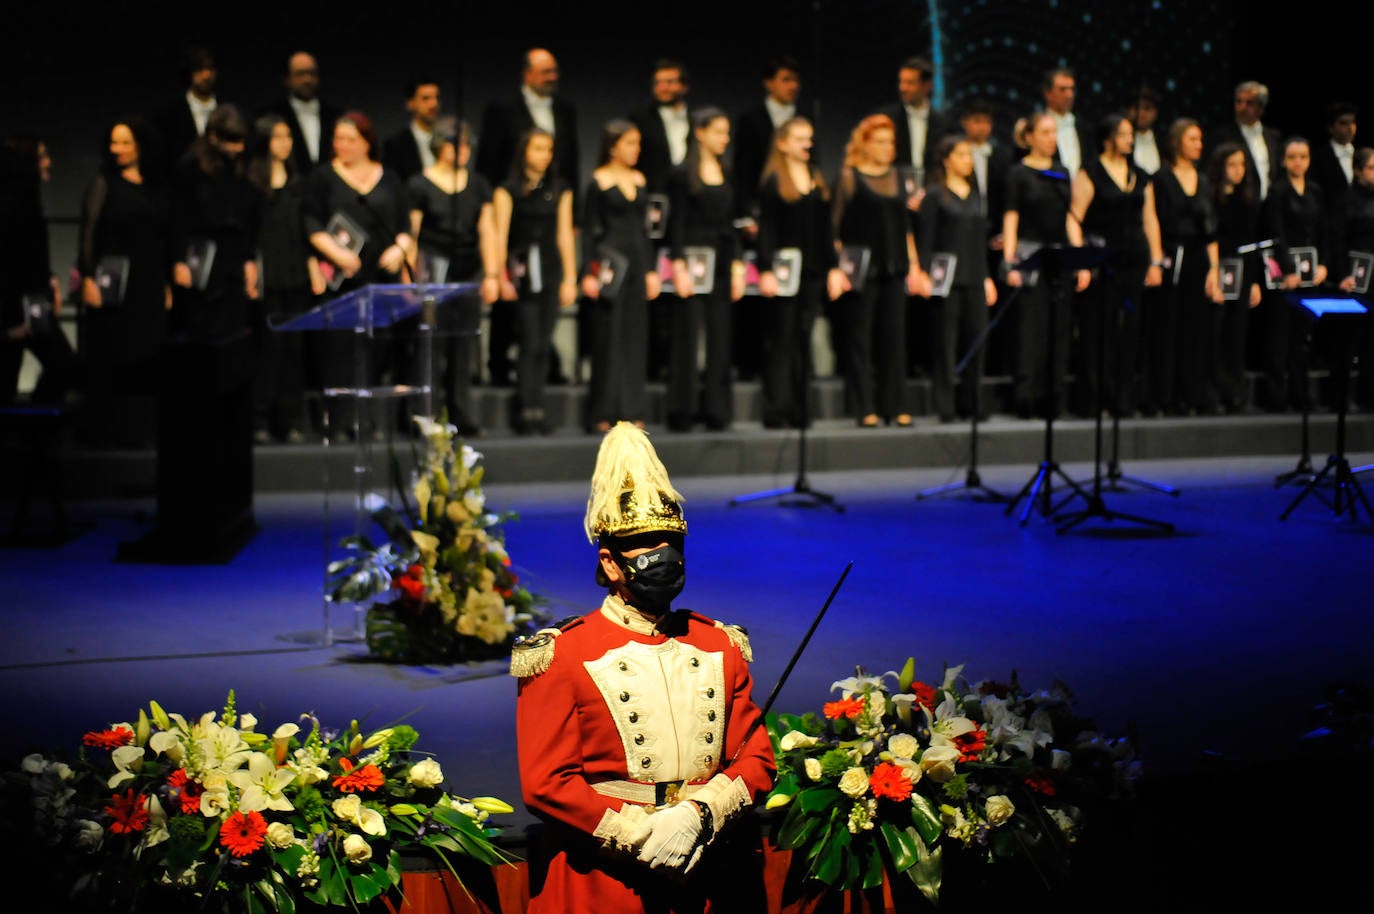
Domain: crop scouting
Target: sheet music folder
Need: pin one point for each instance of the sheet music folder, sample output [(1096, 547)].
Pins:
[(375, 306)]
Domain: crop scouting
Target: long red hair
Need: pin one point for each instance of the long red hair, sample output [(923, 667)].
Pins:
[(853, 150)]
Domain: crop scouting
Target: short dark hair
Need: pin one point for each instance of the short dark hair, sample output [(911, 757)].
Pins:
[(977, 105), (671, 63), (775, 65), (1143, 94), (920, 65), (1337, 110), (415, 82), (193, 60), (1047, 82)]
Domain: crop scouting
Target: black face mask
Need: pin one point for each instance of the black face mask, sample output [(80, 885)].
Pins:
[(654, 578)]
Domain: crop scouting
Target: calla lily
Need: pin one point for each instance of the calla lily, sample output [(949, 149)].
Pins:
[(128, 761)]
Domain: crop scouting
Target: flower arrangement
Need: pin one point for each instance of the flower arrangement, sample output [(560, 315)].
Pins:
[(209, 814), (898, 770), (449, 592)]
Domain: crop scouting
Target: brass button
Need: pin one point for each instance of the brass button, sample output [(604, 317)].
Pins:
[(710, 738), (710, 715), (623, 666), (639, 739), (711, 693), (645, 762), (696, 662), (624, 696), (634, 717), (709, 760)]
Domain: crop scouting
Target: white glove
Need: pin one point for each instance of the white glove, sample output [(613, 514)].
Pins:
[(672, 840)]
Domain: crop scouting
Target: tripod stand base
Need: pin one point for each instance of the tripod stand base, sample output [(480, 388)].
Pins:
[(799, 495), (1302, 473), (1040, 483), (1115, 479), (972, 486), (1347, 490), (1098, 508)]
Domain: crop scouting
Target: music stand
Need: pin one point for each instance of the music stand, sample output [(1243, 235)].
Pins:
[(362, 312), (805, 496), (1055, 262), (1337, 319), (973, 483), (1096, 506)]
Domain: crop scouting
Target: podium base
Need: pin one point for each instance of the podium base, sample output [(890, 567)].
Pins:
[(202, 546)]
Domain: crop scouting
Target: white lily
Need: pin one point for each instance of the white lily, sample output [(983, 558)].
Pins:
[(261, 784), (126, 759)]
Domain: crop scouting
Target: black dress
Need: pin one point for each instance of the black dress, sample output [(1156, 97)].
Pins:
[(448, 229), (953, 225), (1238, 225), (803, 224), (614, 228), (870, 212), (1109, 350), (1354, 230), (1179, 333), (534, 225), (1292, 219), (699, 215), (120, 343), (382, 214), (286, 364), (1041, 202)]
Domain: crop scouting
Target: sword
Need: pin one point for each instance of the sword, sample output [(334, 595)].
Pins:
[(763, 713)]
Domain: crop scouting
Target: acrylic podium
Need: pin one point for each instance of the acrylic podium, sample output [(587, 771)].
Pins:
[(363, 312)]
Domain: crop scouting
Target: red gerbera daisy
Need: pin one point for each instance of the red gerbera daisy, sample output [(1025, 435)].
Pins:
[(925, 695), (243, 832), (848, 708), (112, 738), (1041, 783), (412, 584), (971, 744), (128, 812), (368, 777), (889, 782), (184, 791)]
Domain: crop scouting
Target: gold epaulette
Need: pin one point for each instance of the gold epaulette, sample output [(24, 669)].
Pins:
[(532, 654), (739, 638)]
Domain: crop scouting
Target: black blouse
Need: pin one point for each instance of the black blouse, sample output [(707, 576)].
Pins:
[(1041, 203), (382, 213), (448, 222), (1296, 220), (803, 224), (950, 224), (870, 211)]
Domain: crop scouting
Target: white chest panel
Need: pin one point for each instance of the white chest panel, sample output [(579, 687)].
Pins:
[(668, 704)]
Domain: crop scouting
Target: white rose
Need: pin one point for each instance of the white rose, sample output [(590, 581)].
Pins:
[(426, 773), (854, 783), (999, 810), (813, 768), (347, 806), (356, 849), (794, 739), (903, 745), (938, 762), (280, 835)]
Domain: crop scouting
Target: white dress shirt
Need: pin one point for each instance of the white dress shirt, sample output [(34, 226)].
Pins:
[(1069, 152), (201, 110), (424, 140), (540, 108), (308, 116), (1259, 151), (779, 113), (1146, 154), (918, 127), (982, 152), (677, 128), (1345, 154)]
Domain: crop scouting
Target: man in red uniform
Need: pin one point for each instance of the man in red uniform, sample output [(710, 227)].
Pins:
[(632, 722)]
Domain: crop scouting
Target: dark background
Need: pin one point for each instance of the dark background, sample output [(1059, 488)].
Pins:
[(97, 64)]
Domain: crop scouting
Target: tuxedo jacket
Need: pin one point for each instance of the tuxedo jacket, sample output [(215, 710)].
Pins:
[(401, 153), (300, 155), (937, 126), (1229, 132), (655, 155), (176, 128), (999, 163), (751, 137), (502, 124), (1326, 170)]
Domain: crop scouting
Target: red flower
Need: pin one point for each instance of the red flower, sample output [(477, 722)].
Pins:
[(129, 812), (112, 738), (243, 833), (184, 791), (848, 708), (991, 687), (368, 777), (925, 695), (889, 782), (412, 584), (1041, 783), (971, 744)]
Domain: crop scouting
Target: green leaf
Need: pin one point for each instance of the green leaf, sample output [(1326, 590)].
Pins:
[(926, 818), (901, 845), (873, 873), (928, 872), (815, 799)]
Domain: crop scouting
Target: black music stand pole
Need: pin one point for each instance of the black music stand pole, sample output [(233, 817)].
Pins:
[(1055, 263), (973, 483), (1337, 316), (1115, 477), (805, 496), (1096, 506)]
